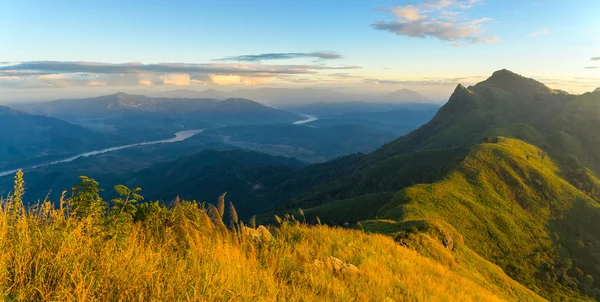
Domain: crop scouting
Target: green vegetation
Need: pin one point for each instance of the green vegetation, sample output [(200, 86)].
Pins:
[(510, 204), (88, 249)]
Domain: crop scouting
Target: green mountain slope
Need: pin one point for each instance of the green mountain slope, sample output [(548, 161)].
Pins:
[(510, 204), (528, 202)]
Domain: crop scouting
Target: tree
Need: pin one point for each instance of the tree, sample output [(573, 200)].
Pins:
[(125, 203), (86, 201)]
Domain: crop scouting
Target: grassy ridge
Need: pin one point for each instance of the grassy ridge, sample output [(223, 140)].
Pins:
[(146, 252), (509, 203)]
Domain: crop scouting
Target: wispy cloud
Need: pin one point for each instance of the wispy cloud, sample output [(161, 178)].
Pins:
[(541, 32), (437, 19), (596, 59), (324, 55), (62, 74), (591, 67)]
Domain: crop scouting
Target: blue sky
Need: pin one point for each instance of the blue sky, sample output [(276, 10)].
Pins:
[(426, 45)]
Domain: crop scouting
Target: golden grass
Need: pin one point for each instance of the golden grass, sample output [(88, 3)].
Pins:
[(46, 255)]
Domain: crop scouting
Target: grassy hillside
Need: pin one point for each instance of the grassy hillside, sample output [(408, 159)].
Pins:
[(508, 201), (88, 249)]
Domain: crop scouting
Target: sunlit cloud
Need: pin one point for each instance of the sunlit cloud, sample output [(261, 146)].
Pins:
[(224, 80), (64, 74), (176, 79), (96, 83), (436, 19)]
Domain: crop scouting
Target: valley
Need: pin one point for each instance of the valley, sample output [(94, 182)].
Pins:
[(503, 175)]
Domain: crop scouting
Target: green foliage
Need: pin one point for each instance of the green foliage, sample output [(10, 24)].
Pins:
[(85, 201), (509, 203), (125, 203)]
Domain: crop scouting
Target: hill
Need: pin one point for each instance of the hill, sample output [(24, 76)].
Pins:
[(304, 142), (247, 176), (29, 139), (153, 252), (508, 201), (527, 202)]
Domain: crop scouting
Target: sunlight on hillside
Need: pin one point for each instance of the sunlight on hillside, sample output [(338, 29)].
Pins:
[(147, 251)]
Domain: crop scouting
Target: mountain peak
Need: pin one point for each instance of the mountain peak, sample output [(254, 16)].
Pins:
[(597, 89), (515, 83)]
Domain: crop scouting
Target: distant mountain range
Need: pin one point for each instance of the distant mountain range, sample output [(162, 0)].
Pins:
[(140, 117), (288, 97)]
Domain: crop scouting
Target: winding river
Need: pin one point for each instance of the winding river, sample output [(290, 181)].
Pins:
[(179, 136), (309, 118)]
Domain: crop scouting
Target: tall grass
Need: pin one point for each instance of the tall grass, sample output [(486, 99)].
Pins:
[(185, 252)]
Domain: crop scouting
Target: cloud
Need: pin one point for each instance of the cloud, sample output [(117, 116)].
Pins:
[(224, 80), (541, 32), (64, 73), (284, 56), (435, 19), (591, 67), (145, 82), (61, 67), (596, 59), (96, 83), (176, 79)]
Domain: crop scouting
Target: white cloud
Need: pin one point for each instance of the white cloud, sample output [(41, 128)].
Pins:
[(436, 19), (541, 32)]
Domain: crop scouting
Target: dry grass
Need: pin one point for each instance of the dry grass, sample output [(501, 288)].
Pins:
[(47, 255)]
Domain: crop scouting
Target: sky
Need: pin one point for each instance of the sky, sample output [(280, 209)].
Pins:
[(53, 49)]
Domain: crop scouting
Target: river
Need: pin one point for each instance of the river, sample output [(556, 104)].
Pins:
[(309, 118), (179, 136)]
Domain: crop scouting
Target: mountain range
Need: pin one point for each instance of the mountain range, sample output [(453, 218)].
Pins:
[(290, 97), (501, 185), (140, 117), (505, 171)]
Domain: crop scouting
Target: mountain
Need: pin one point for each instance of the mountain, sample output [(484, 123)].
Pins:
[(193, 94), (597, 89), (507, 169), (291, 97), (404, 95), (29, 139), (140, 117)]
